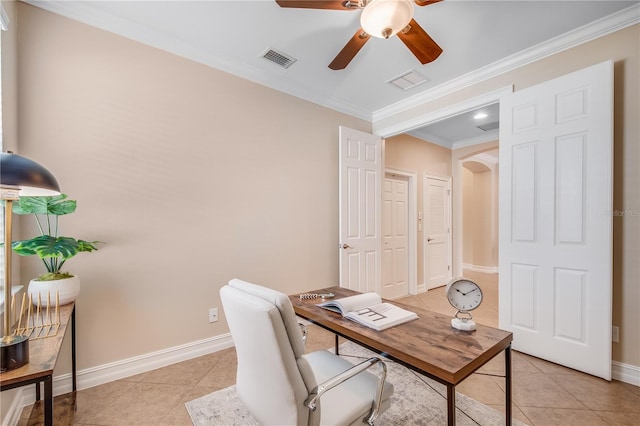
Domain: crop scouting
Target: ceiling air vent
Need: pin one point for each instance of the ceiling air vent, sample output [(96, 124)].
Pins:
[(279, 58), (489, 126), (408, 80)]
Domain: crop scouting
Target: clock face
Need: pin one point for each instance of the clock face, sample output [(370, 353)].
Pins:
[(463, 294)]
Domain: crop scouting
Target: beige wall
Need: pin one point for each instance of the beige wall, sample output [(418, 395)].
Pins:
[(189, 175), (407, 153), (482, 214), (623, 47), (467, 217)]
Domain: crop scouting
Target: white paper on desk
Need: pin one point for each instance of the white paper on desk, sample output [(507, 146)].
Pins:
[(369, 310)]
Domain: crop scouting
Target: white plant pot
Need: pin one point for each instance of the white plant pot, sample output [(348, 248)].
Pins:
[(67, 290)]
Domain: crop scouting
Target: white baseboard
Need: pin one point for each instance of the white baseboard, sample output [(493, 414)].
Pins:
[(625, 373), (477, 268), (15, 410), (106, 373)]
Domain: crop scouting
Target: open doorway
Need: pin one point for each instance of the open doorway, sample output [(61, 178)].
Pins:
[(485, 147)]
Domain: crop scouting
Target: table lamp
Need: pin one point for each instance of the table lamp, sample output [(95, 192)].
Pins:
[(19, 176)]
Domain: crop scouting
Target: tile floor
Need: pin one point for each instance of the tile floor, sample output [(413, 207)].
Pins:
[(543, 393)]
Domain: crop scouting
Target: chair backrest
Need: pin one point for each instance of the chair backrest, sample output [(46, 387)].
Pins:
[(273, 378)]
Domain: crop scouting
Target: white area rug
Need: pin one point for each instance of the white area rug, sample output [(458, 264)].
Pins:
[(416, 400)]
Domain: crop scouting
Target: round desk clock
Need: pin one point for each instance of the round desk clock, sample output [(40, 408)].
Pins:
[(465, 296)]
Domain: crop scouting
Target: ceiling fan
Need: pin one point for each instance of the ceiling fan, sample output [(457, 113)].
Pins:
[(379, 18)]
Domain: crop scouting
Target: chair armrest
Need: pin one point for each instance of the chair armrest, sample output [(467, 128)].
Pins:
[(329, 384), (303, 328)]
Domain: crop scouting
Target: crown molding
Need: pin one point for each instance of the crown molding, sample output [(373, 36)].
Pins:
[(607, 25), (488, 137), (128, 29), (427, 137)]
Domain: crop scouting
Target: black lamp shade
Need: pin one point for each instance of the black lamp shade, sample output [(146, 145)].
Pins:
[(31, 177)]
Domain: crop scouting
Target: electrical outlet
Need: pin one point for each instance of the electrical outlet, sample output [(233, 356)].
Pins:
[(213, 314), (615, 334)]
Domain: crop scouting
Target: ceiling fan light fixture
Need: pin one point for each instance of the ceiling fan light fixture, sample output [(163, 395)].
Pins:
[(385, 18)]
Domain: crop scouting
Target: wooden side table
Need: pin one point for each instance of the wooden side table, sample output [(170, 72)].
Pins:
[(43, 356)]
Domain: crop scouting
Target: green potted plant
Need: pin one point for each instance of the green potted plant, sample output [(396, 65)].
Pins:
[(52, 249)]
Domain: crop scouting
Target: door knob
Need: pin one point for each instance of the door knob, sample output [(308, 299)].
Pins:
[(346, 246), (430, 239)]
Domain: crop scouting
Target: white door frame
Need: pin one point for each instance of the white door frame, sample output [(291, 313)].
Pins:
[(412, 220), (449, 219), (434, 117)]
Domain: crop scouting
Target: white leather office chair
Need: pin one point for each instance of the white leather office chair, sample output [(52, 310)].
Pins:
[(278, 382)]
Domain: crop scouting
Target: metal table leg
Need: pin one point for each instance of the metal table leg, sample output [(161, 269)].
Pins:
[(507, 384), (73, 347), (48, 401), (451, 405)]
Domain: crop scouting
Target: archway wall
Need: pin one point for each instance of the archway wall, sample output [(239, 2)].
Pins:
[(479, 216), (458, 157)]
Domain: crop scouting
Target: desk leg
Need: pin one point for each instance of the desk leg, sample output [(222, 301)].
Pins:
[(507, 384), (73, 348), (337, 342), (48, 401), (451, 405)]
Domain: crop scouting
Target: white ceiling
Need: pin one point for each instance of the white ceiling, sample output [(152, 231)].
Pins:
[(477, 36)]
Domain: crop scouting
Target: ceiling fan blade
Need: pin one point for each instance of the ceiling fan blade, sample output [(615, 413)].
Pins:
[(419, 42), (426, 2), (315, 4), (350, 50)]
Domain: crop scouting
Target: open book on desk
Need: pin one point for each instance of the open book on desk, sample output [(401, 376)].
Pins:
[(369, 310)]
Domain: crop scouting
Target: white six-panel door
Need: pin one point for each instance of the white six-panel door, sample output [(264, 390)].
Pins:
[(556, 145), (360, 203), (395, 237), (437, 231)]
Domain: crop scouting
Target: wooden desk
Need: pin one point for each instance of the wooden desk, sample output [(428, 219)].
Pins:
[(43, 355), (428, 345)]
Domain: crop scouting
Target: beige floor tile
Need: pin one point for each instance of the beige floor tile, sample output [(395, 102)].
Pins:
[(93, 401), (516, 413), (549, 367), (560, 416), (483, 389), (178, 416), (219, 378), (615, 418), (599, 394), (183, 373), (539, 390), (147, 403)]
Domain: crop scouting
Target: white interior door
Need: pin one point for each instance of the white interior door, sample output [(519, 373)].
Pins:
[(556, 145), (360, 204), (437, 231), (395, 237)]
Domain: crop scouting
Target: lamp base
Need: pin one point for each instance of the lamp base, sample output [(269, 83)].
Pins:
[(14, 352)]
